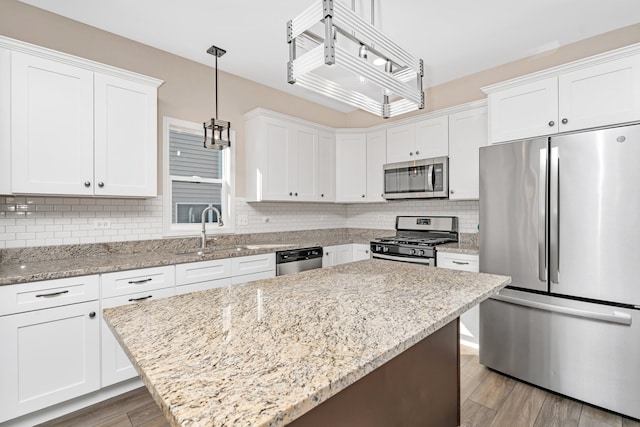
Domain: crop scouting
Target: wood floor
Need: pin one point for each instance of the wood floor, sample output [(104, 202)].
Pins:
[(488, 399)]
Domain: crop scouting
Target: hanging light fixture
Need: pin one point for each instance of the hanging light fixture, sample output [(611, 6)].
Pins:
[(219, 136), (335, 52)]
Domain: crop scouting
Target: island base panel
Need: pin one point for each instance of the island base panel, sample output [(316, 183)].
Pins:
[(420, 387)]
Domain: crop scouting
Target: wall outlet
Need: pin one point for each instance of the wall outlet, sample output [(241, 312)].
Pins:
[(101, 224), (242, 220)]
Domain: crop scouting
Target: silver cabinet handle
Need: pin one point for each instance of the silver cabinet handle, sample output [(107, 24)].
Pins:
[(52, 294), (291, 194), (565, 121), (92, 314), (552, 123), (460, 263), (101, 184), (411, 153), (417, 152), (139, 299), (87, 183), (451, 191), (138, 282), (296, 194), (363, 195), (616, 317), (366, 251), (322, 195)]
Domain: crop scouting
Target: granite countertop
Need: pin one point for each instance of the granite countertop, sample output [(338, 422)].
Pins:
[(460, 248), (266, 352), (46, 263)]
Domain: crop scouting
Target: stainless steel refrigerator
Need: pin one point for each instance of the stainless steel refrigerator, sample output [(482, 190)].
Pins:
[(561, 216)]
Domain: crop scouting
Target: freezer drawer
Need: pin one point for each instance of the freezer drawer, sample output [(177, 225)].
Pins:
[(586, 351)]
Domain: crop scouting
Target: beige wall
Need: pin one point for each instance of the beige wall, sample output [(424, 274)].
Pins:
[(189, 86)]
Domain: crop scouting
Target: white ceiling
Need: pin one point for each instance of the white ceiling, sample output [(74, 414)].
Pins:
[(455, 38)]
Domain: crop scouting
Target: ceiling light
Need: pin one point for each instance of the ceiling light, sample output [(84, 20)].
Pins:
[(326, 46), (379, 61), (219, 138)]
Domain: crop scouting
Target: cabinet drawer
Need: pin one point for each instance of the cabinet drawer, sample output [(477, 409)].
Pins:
[(196, 272), (464, 262), (46, 294), (132, 281), (253, 264), (151, 295)]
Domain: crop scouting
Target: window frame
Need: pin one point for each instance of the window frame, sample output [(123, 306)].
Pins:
[(228, 184)]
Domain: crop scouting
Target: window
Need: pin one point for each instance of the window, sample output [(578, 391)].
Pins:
[(195, 178)]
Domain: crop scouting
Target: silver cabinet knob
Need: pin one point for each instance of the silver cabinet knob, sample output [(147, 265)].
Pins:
[(363, 196), (417, 152), (101, 184), (87, 183), (366, 251), (92, 314), (296, 194), (411, 153), (565, 121), (322, 195), (451, 191), (291, 194), (552, 123)]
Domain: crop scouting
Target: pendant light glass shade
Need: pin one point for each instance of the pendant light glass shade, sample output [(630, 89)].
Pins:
[(332, 51), (217, 134)]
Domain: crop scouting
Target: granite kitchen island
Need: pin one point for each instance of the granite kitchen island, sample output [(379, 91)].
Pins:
[(273, 351)]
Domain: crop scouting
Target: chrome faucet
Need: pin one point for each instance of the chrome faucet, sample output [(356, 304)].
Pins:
[(204, 230)]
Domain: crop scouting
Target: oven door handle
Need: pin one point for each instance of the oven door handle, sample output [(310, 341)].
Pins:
[(426, 261)]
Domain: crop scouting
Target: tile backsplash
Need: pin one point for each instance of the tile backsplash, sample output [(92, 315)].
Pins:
[(45, 221)]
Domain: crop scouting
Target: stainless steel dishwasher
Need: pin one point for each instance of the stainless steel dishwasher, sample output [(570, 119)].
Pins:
[(297, 260)]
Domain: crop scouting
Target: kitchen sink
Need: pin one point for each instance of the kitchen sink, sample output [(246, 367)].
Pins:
[(230, 249)]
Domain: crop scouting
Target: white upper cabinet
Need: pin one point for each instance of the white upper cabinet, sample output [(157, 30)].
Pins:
[(282, 159), (376, 158), (51, 127), (327, 166), (125, 137), (467, 133), (75, 127), (524, 111), (418, 140), (351, 167), (597, 91)]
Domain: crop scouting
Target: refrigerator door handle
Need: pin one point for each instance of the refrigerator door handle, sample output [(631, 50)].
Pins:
[(616, 317), (554, 216), (542, 217)]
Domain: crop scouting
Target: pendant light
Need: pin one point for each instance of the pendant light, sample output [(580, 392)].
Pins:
[(219, 137), (335, 52)]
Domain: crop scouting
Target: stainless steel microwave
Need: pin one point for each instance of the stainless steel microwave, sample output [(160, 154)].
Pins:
[(418, 179)]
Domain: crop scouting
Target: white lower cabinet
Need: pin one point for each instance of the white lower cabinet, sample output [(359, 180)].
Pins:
[(115, 365), (122, 288), (50, 354), (469, 321), (202, 275), (361, 251)]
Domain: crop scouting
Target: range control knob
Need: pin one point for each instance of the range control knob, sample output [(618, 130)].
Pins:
[(412, 252), (385, 249)]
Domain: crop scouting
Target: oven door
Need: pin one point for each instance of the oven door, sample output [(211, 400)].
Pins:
[(419, 179)]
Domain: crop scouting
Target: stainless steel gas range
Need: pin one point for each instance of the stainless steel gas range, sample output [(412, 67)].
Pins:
[(416, 239)]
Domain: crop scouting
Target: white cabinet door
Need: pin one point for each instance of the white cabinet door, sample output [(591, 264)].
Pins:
[(125, 137), (344, 254), (360, 252), (274, 175), (524, 111), (351, 168), (401, 143), (304, 179), (329, 256), (467, 133), (116, 366), (603, 94), (432, 138), (327, 167), (48, 356), (470, 320), (51, 127), (376, 158)]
